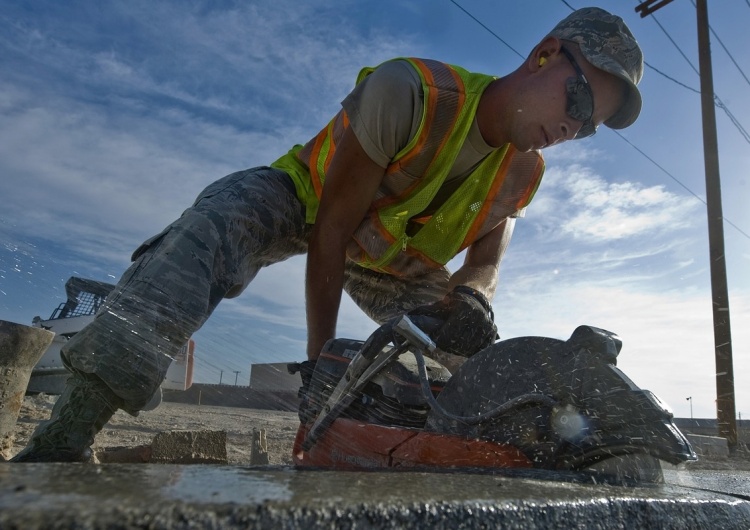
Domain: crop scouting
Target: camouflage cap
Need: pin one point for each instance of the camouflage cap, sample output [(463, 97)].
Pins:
[(607, 43)]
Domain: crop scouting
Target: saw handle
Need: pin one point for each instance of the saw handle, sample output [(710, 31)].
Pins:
[(345, 393), (402, 331)]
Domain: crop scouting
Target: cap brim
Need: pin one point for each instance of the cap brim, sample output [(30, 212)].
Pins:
[(631, 108), (629, 111)]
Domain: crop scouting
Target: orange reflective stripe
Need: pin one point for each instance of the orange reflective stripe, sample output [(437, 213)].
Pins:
[(435, 131), (325, 143), (524, 169), (460, 104), (339, 125), (430, 106), (313, 162), (531, 191), (497, 183)]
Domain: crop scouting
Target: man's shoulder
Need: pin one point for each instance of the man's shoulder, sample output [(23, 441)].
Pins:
[(396, 72), (415, 64)]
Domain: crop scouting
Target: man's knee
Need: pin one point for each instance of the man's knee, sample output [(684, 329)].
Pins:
[(383, 296), (129, 355)]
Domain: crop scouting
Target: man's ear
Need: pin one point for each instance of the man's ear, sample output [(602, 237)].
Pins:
[(543, 52)]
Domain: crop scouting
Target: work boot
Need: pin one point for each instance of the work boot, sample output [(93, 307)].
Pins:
[(84, 407)]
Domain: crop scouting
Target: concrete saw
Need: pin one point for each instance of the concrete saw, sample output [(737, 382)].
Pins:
[(526, 402)]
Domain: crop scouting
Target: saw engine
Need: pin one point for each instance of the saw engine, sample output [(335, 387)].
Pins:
[(392, 397), (525, 402)]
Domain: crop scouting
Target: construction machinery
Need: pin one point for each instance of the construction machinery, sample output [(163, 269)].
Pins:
[(84, 297)]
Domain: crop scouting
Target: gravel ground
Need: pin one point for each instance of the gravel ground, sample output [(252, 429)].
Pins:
[(124, 430), (281, 427)]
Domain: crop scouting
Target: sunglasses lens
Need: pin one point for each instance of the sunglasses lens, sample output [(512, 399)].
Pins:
[(588, 129), (580, 105), (579, 100)]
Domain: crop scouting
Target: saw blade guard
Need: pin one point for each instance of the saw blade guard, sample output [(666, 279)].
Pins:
[(598, 411)]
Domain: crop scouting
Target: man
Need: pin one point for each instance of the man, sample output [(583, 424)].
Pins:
[(423, 161)]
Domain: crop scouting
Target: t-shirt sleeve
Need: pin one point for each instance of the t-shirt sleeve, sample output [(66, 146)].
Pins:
[(385, 109)]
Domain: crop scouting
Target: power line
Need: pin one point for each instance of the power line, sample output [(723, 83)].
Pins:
[(720, 105), (654, 162), (734, 120), (653, 17), (730, 55), (717, 102), (655, 69), (726, 50), (475, 19), (631, 144)]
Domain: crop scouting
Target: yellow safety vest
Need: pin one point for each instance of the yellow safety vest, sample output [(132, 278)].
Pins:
[(503, 183)]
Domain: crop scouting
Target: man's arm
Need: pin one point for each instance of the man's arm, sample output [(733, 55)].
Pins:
[(482, 263), (351, 183), (467, 320)]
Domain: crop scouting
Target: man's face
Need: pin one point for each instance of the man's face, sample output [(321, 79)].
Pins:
[(555, 102)]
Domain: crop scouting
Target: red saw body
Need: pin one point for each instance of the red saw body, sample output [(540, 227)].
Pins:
[(528, 402), (351, 444)]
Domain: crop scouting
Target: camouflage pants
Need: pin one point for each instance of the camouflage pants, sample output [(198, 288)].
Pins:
[(236, 226)]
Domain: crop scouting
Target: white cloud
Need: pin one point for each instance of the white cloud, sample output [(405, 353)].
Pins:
[(125, 139), (579, 203), (667, 335), (114, 119)]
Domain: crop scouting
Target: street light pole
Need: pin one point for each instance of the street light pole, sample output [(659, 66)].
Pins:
[(690, 399)]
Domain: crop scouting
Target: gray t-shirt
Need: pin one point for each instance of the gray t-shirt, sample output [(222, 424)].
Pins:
[(385, 109)]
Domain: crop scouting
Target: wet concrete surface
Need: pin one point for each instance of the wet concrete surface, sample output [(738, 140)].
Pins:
[(736, 483), (34, 496)]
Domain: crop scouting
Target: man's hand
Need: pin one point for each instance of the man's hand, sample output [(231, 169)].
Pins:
[(466, 312), (468, 321)]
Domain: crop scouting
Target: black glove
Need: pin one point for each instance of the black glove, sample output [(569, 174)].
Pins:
[(468, 323), (306, 370)]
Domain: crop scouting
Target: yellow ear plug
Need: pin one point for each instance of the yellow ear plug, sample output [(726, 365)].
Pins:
[(542, 60)]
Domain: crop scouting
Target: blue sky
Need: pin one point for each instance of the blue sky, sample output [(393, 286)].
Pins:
[(113, 116)]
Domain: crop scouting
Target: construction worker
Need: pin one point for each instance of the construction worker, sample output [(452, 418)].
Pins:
[(424, 160)]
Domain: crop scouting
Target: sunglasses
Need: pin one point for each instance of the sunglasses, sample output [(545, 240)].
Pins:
[(580, 99)]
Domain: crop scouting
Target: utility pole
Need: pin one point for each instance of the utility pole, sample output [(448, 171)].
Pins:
[(221, 375), (690, 399), (236, 375), (725, 397), (725, 406)]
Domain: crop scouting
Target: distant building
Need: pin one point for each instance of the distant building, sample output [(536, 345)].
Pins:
[(271, 387)]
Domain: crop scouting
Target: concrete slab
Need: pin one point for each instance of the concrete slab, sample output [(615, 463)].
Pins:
[(189, 447), (34, 496)]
